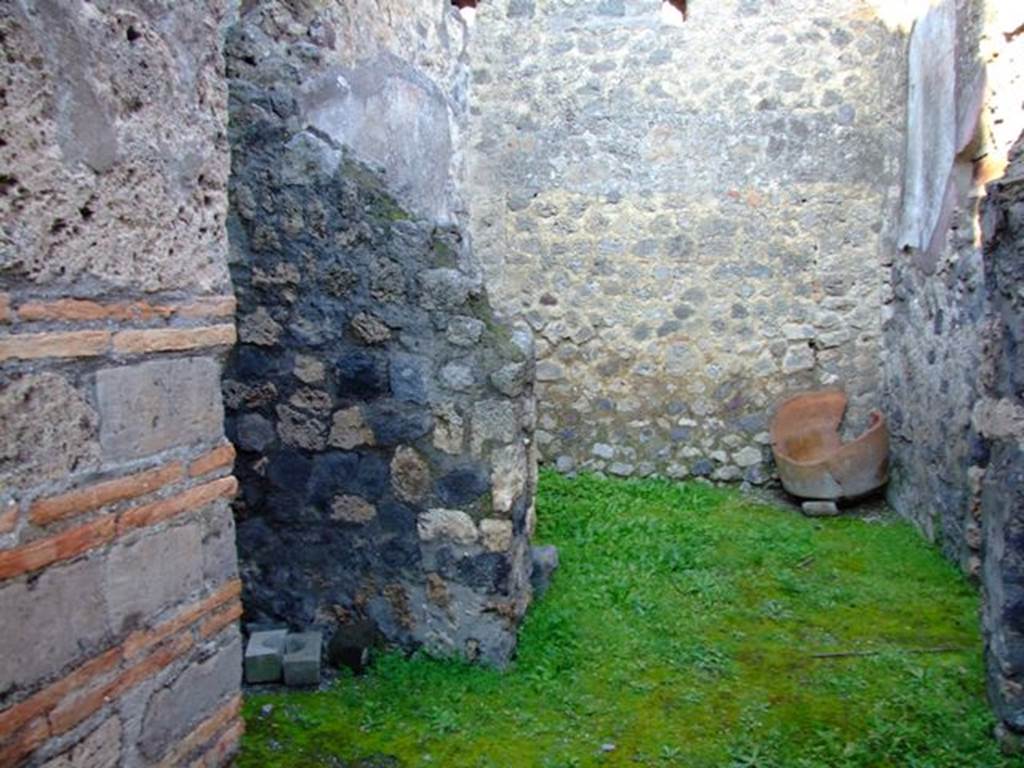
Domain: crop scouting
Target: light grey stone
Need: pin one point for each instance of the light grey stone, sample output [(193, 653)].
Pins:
[(349, 430), (174, 709), (264, 655), (65, 609), (301, 662), (458, 376), (259, 328), (496, 535), (549, 370), (464, 331), (299, 429), (748, 456), (510, 379), (47, 430), (149, 407), (493, 421), (509, 474), (449, 429), (410, 475), (352, 509), (160, 569), (820, 508), (447, 525)]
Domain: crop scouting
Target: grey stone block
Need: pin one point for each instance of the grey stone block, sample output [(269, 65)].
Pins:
[(820, 508), (63, 611), (155, 571), (173, 710), (302, 659), (153, 406), (47, 430), (264, 656)]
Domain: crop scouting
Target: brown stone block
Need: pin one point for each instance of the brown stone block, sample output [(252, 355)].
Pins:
[(5, 308), (194, 498), (52, 549), (79, 501), (34, 346), (173, 339), (221, 456)]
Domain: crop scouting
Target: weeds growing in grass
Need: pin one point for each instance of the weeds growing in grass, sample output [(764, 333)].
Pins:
[(681, 630)]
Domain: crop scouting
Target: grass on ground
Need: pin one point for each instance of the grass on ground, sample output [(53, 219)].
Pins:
[(681, 630)]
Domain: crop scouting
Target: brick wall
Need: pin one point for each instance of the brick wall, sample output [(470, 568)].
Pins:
[(118, 585)]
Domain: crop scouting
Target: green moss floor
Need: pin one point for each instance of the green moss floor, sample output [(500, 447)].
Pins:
[(684, 628)]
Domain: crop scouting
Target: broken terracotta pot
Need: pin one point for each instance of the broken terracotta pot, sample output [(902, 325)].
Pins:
[(812, 460)]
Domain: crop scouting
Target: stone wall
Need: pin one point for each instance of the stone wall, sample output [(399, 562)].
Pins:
[(951, 319), (118, 584), (690, 217), (383, 416), (999, 418), (935, 305)]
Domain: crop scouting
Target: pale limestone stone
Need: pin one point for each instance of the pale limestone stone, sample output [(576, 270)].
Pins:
[(47, 430), (531, 520), (447, 524), (259, 328), (496, 534), (494, 421), (309, 370), (747, 457), (348, 429), (152, 406), (508, 476), (369, 329), (352, 509), (410, 476), (311, 400), (299, 429), (449, 429), (102, 747)]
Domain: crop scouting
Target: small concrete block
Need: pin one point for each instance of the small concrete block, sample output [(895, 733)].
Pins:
[(302, 658), (820, 508), (263, 656)]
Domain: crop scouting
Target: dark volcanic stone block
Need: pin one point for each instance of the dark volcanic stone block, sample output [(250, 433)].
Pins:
[(395, 422), (350, 473), (463, 486), (362, 375)]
